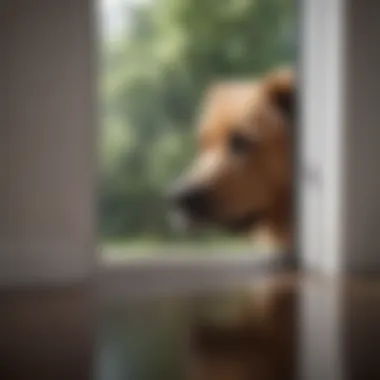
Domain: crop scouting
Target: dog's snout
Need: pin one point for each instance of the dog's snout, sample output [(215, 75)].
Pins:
[(192, 200)]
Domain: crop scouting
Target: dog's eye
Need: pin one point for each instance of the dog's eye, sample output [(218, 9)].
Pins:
[(239, 144)]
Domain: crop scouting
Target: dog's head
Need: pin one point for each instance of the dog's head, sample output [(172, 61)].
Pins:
[(244, 162)]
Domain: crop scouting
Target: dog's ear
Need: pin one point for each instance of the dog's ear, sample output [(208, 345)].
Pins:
[(280, 87)]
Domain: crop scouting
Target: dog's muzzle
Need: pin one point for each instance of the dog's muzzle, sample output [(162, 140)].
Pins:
[(193, 201), (245, 222), (192, 206)]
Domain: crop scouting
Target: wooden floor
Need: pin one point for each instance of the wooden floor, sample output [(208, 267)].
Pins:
[(299, 329)]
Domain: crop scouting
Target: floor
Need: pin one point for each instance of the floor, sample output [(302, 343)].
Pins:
[(280, 328)]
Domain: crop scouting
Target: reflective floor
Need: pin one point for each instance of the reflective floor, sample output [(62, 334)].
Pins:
[(280, 328)]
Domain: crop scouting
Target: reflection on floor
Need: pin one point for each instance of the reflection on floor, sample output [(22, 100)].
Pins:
[(307, 329)]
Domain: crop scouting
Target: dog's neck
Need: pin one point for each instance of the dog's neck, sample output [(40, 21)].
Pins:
[(277, 227)]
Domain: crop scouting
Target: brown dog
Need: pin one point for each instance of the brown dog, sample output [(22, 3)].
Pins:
[(242, 177)]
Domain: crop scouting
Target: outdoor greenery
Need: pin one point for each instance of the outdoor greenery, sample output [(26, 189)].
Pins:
[(151, 83)]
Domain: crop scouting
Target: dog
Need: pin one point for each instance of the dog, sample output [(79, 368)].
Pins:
[(242, 179)]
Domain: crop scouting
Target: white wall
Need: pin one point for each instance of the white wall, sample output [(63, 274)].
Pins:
[(321, 78), (341, 140), (47, 126)]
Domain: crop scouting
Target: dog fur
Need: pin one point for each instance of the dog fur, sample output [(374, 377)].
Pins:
[(245, 156)]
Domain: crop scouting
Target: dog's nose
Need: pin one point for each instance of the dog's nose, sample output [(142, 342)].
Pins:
[(192, 200)]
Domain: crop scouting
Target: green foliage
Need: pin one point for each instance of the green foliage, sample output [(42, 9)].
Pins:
[(152, 81)]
